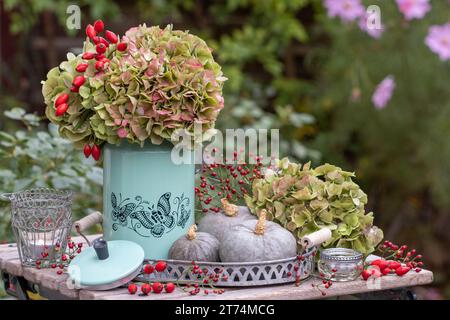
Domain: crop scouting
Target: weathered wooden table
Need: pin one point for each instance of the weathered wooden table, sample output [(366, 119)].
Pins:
[(31, 283)]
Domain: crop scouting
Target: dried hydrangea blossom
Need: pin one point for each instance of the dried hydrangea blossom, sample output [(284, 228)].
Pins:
[(166, 81), (74, 126), (304, 199)]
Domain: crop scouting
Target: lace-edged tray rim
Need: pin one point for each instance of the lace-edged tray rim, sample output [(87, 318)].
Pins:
[(306, 254), (240, 274)]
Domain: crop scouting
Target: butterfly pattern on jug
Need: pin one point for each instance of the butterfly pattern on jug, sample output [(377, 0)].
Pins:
[(149, 220)]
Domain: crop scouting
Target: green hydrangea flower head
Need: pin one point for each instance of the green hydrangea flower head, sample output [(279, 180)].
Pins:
[(166, 81), (304, 199)]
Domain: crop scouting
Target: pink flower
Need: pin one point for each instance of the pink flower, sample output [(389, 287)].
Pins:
[(122, 132), (438, 40), (383, 92), (414, 9), (366, 25), (346, 10)]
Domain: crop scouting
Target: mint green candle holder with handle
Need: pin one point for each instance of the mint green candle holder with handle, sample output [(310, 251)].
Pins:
[(147, 198)]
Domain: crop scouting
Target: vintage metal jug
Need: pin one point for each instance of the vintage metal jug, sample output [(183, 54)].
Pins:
[(147, 198)]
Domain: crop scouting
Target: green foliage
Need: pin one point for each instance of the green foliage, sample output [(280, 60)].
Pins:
[(36, 157), (400, 152), (25, 14), (304, 200), (256, 43)]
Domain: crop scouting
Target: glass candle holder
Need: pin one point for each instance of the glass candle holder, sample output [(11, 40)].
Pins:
[(345, 264)]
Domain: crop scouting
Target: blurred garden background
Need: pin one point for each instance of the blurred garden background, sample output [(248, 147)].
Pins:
[(376, 102)]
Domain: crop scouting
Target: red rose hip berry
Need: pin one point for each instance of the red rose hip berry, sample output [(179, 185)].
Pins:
[(148, 269), (62, 98), (366, 274), (158, 287), (61, 109), (96, 152), (394, 265), (160, 266), (78, 81), (87, 150), (99, 65), (100, 48), (111, 36), (122, 46), (99, 25), (81, 67), (132, 288), (401, 271), (170, 287), (90, 31), (103, 40), (146, 288), (88, 55)]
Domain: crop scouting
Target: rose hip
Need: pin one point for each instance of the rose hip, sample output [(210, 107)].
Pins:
[(111, 36), (88, 55), (61, 109), (96, 152), (99, 25), (62, 98), (78, 81), (87, 150), (122, 46), (81, 67), (90, 31)]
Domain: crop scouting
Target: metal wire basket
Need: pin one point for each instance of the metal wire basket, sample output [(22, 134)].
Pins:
[(41, 220), (240, 274)]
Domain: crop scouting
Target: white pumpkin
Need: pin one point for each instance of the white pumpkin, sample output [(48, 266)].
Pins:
[(257, 240)]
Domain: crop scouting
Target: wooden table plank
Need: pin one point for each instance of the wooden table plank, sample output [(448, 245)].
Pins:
[(48, 278), (279, 292)]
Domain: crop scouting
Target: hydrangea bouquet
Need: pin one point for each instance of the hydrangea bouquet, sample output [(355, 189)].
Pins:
[(141, 87)]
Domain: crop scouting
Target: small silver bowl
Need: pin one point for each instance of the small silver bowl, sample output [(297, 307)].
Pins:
[(340, 264)]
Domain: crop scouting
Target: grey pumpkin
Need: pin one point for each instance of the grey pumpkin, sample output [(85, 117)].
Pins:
[(257, 240), (218, 223), (195, 246)]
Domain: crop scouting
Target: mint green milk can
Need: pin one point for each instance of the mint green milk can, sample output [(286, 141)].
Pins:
[(147, 198)]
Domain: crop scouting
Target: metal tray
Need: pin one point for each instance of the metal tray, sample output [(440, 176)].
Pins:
[(239, 274)]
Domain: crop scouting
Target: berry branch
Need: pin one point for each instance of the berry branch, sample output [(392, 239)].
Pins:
[(395, 259), (232, 180)]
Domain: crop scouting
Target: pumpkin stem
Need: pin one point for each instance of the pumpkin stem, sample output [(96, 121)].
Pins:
[(191, 235), (230, 209), (261, 224)]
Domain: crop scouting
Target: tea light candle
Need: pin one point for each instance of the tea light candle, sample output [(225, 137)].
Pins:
[(39, 246), (345, 264)]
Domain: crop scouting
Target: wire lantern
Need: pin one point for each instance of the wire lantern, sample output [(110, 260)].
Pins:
[(41, 220)]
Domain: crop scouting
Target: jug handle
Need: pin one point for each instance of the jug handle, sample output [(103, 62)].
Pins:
[(85, 223), (6, 196)]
